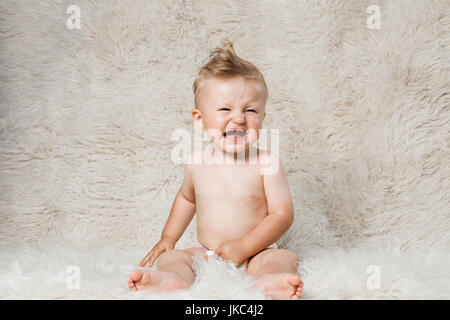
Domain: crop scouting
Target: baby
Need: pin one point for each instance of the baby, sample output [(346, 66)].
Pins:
[(241, 209)]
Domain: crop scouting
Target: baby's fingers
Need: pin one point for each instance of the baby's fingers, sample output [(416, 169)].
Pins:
[(156, 253), (147, 258), (154, 256)]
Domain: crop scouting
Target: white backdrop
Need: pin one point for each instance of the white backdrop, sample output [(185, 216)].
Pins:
[(86, 118)]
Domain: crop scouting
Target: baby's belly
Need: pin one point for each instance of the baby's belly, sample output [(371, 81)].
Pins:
[(214, 228)]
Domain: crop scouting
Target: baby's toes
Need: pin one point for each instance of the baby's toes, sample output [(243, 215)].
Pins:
[(299, 289), (131, 285), (295, 281), (134, 276)]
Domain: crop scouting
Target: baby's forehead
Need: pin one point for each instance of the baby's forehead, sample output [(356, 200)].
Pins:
[(233, 81), (234, 86)]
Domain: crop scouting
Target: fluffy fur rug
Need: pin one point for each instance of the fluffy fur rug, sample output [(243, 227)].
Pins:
[(86, 118)]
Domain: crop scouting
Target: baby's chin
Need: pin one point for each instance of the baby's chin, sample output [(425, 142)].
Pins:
[(234, 147), (233, 144)]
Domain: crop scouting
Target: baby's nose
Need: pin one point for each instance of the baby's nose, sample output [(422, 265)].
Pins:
[(238, 118)]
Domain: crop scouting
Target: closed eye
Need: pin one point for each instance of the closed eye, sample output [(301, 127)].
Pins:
[(224, 109), (251, 110)]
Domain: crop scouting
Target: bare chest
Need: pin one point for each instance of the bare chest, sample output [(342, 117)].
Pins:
[(236, 183)]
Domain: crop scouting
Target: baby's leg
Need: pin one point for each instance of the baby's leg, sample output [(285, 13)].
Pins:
[(179, 262), (275, 272), (174, 272)]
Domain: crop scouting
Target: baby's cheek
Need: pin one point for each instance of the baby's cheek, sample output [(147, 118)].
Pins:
[(253, 135), (214, 134)]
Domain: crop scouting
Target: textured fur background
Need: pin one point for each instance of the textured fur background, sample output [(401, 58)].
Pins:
[(86, 118)]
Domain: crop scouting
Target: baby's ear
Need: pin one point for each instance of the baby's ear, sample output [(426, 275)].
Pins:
[(197, 116)]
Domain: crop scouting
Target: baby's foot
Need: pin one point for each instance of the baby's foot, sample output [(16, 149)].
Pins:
[(155, 281), (280, 286)]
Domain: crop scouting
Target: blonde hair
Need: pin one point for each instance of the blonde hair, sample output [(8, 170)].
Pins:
[(225, 64)]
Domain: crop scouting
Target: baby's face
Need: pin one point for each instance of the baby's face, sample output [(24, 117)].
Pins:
[(232, 111)]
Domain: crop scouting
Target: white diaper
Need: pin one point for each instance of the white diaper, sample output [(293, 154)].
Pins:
[(211, 252)]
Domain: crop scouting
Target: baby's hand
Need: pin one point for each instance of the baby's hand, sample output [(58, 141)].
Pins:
[(232, 250), (163, 245)]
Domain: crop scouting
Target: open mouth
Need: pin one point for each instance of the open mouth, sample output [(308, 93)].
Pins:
[(234, 135)]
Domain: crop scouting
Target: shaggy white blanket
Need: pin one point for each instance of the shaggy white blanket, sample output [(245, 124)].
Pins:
[(86, 117)]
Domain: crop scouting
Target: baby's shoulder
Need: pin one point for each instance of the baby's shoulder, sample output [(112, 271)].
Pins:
[(193, 157), (269, 162), (266, 156)]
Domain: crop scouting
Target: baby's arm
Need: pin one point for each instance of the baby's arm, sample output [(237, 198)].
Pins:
[(183, 209), (280, 211), (181, 214)]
